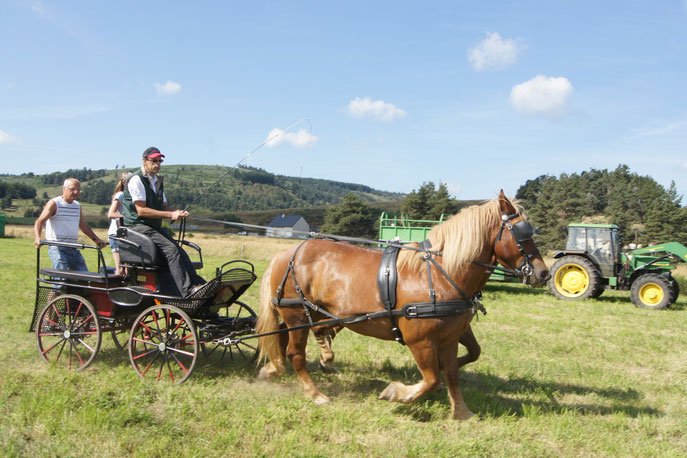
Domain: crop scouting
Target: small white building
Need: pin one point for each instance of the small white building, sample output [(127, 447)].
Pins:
[(288, 227)]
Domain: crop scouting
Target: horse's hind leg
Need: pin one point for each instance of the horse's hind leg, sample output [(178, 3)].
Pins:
[(450, 364), (295, 351), (469, 341), (428, 362), (324, 337), (276, 368)]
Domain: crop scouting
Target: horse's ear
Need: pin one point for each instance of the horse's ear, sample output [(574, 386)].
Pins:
[(505, 204)]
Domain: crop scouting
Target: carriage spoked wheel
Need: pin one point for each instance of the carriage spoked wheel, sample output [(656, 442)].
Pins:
[(240, 320), (68, 332), (163, 345)]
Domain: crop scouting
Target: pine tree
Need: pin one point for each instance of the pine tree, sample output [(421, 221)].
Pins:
[(352, 218)]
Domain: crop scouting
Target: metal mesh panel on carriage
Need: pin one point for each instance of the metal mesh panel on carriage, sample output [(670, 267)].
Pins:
[(221, 290), (43, 294)]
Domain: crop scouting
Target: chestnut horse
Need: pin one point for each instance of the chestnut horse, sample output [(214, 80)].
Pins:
[(339, 279)]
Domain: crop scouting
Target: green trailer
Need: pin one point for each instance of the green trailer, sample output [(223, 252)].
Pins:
[(406, 230)]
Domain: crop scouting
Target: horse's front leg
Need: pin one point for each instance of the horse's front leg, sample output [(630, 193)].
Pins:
[(450, 365), (295, 351), (469, 341), (324, 337), (427, 360)]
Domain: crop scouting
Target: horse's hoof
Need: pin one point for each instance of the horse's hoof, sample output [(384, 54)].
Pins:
[(328, 369), (464, 415), (266, 374), (321, 400), (390, 392)]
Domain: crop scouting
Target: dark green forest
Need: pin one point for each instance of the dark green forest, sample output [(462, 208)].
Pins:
[(644, 210)]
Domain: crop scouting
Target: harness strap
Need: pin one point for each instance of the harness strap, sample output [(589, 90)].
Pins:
[(303, 301), (428, 258), (387, 277)]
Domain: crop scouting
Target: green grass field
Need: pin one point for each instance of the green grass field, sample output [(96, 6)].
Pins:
[(597, 377)]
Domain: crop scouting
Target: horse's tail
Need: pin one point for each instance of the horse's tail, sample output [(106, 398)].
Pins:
[(268, 321)]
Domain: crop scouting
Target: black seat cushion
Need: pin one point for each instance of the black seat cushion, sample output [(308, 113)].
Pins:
[(130, 254)]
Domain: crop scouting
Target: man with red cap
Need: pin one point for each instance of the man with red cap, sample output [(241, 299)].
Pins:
[(144, 208)]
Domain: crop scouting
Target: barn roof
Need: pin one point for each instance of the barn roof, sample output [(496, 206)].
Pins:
[(284, 220)]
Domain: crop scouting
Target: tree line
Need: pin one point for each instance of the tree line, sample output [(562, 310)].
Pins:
[(642, 208), (82, 175), (355, 218)]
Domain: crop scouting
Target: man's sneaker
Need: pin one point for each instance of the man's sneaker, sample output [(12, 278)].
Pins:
[(195, 290)]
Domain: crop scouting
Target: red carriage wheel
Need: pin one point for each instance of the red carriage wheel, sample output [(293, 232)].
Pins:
[(68, 332), (163, 344)]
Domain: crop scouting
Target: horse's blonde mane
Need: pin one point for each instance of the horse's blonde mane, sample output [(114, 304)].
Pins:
[(460, 238)]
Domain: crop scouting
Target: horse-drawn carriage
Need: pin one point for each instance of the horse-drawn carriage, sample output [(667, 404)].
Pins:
[(423, 295), (164, 334)]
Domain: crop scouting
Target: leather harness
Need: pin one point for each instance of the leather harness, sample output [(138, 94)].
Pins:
[(387, 279)]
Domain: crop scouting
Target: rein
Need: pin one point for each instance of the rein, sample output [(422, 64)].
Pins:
[(521, 231)]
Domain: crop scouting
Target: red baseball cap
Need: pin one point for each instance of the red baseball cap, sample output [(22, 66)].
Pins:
[(152, 153)]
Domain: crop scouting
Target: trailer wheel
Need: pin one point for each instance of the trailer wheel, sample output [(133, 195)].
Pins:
[(575, 277), (651, 291), (163, 344), (68, 332)]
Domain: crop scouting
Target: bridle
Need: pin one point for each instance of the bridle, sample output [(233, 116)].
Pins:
[(521, 232)]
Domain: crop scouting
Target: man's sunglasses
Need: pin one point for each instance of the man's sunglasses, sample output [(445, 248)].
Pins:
[(155, 161)]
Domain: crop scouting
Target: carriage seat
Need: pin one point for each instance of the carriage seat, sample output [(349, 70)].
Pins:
[(136, 249), (80, 276)]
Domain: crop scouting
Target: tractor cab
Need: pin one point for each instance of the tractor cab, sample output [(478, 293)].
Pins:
[(598, 241)]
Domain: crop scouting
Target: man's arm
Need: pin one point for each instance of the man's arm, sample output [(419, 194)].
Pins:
[(48, 212), (86, 229), (165, 213)]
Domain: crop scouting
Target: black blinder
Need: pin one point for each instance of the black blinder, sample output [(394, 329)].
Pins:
[(522, 230)]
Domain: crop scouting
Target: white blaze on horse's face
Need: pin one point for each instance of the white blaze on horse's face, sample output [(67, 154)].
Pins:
[(515, 248)]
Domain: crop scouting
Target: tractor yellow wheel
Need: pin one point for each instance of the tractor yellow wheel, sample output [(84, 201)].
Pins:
[(652, 291), (572, 280), (574, 277), (651, 294)]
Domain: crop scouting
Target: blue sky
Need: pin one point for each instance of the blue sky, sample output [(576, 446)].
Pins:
[(479, 95)]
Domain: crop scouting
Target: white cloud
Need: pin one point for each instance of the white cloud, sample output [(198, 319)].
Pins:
[(542, 95), (300, 139), (494, 52), (378, 110), (168, 88), (6, 138)]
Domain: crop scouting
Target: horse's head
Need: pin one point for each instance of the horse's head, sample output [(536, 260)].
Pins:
[(514, 245)]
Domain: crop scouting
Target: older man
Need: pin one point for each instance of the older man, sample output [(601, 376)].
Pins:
[(62, 218), (144, 207)]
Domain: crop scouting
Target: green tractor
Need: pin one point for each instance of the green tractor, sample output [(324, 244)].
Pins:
[(592, 261)]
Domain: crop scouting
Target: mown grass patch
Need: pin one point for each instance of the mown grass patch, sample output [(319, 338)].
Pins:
[(596, 377)]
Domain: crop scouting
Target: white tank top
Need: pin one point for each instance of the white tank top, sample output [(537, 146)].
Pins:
[(64, 225)]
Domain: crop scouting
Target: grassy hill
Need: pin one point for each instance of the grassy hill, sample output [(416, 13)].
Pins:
[(248, 195)]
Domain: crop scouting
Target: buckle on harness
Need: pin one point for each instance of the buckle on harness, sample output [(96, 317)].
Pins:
[(410, 311)]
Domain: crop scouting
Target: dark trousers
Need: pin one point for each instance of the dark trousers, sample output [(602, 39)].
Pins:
[(176, 276)]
